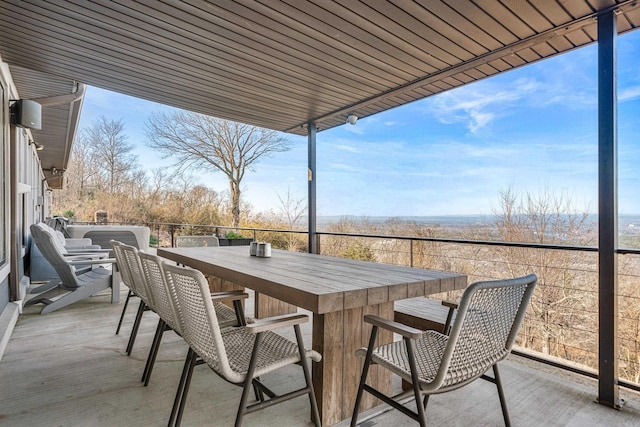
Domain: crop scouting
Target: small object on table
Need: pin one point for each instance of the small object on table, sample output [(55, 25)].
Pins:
[(264, 250)]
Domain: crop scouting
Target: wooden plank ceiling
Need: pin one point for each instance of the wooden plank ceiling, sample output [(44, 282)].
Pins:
[(282, 64)]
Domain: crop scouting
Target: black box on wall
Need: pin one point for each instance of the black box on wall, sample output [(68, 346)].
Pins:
[(26, 114)]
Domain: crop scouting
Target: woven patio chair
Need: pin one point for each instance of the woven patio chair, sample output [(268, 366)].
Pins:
[(125, 277), (483, 333), (154, 276), (139, 285), (238, 355)]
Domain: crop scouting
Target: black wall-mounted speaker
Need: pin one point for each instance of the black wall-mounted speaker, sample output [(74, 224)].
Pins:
[(26, 114)]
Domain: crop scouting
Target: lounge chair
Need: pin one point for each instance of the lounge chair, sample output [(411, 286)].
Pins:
[(41, 270), (73, 284)]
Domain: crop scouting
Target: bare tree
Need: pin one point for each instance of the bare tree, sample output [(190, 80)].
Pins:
[(195, 140), (564, 294), (112, 152), (292, 210), (80, 170)]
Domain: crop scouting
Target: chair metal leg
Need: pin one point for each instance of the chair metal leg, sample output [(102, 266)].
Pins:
[(503, 401), (183, 388), (237, 306), (176, 400), (136, 324), (260, 390), (257, 391), (248, 380), (315, 414), (153, 352), (124, 309), (422, 417), (242, 321), (363, 378)]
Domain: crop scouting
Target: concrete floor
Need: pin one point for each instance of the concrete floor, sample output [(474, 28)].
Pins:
[(68, 368)]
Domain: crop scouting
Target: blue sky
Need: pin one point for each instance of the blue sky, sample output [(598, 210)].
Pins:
[(533, 129)]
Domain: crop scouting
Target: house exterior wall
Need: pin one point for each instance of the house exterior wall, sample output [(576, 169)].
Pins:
[(21, 204), (4, 190)]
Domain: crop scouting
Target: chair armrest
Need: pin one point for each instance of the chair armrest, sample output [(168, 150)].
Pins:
[(86, 250), (395, 327), (450, 304), (78, 242), (92, 261), (277, 322), (229, 296), (73, 257), (453, 306)]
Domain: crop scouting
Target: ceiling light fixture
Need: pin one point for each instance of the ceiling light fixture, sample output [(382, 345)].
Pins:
[(39, 147), (352, 119)]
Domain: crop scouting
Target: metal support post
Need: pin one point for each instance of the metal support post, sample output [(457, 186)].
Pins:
[(607, 212), (313, 241)]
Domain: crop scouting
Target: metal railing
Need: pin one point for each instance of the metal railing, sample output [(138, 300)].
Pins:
[(561, 324)]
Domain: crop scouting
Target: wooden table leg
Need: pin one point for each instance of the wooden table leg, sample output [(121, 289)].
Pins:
[(266, 306), (216, 284), (336, 336)]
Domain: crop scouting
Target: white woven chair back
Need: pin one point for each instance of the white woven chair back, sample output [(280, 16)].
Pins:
[(132, 260), (122, 265), (484, 331), (192, 303), (157, 287)]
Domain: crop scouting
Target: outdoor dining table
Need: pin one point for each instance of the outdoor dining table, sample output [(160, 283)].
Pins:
[(339, 292)]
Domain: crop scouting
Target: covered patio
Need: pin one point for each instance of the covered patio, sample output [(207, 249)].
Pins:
[(298, 67)]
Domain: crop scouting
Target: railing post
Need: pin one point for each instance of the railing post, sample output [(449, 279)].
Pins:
[(411, 253)]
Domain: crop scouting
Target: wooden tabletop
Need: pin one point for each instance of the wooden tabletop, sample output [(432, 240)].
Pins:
[(318, 283)]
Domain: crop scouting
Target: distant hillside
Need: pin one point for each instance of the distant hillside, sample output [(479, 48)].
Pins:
[(628, 225)]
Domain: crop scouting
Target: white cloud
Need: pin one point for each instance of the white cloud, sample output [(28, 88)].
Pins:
[(629, 94), (344, 167), (479, 104), (348, 148), (479, 120)]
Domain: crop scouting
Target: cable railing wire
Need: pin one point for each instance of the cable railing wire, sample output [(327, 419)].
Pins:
[(452, 254)]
